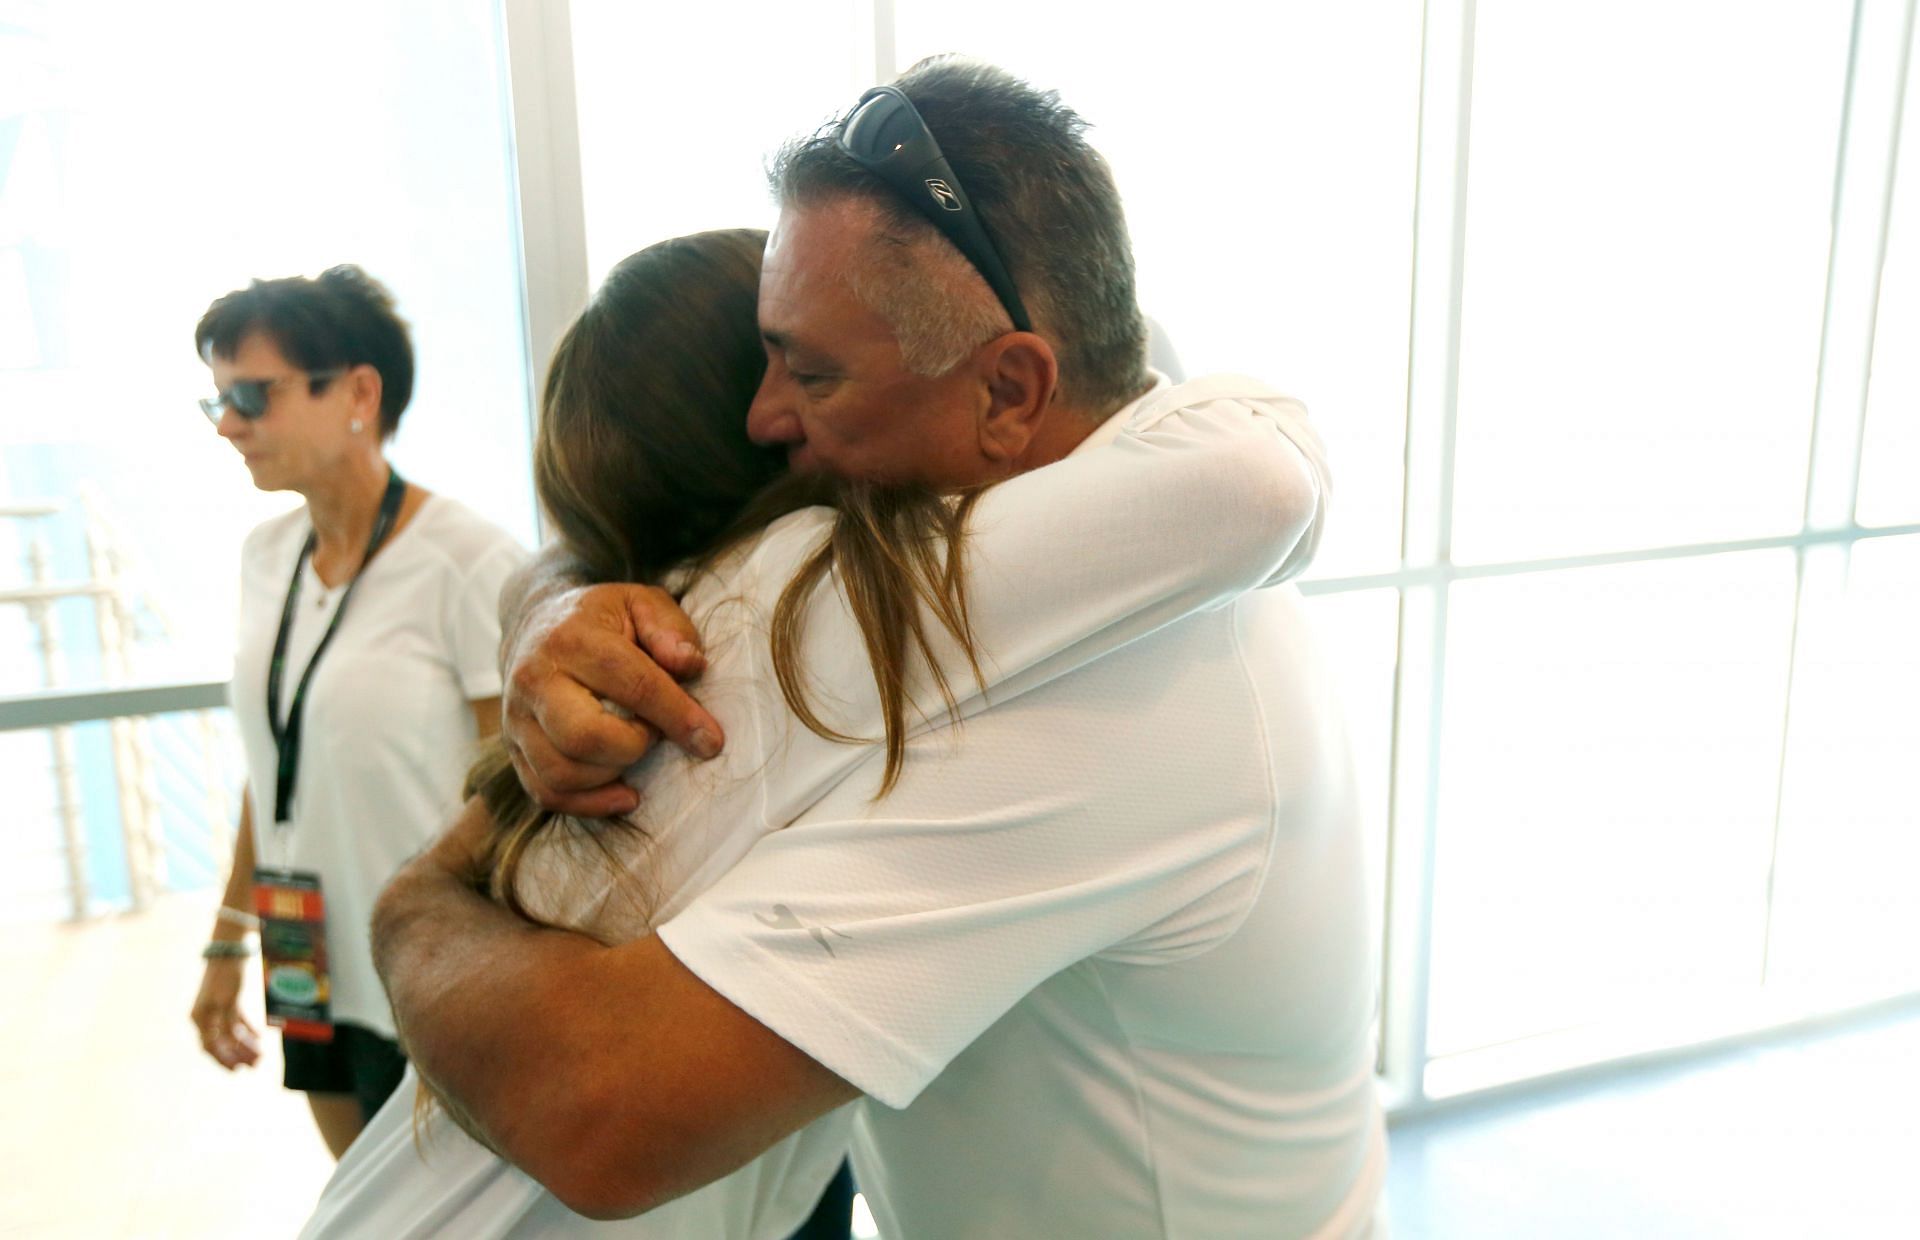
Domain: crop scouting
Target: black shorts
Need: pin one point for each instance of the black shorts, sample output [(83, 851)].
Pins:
[(358, 1061)]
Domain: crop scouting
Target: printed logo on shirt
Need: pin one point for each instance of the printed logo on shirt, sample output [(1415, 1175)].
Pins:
[(784, 919)]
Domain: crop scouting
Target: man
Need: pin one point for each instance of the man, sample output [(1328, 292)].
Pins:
[(1101, 963)]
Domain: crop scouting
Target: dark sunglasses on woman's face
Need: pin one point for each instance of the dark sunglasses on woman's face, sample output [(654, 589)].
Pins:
[(248, 397)]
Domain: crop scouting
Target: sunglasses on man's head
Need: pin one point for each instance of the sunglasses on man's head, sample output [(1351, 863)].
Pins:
[(249, 397), (885, 135)]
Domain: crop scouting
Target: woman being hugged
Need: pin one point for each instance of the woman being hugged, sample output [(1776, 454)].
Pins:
[(645, 472), (365, 670)]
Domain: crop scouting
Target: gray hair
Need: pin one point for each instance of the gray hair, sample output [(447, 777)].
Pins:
[(1049, 202), (939, 308)]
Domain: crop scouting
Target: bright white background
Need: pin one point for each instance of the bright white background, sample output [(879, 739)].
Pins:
[(1622, 297), (164, 155)]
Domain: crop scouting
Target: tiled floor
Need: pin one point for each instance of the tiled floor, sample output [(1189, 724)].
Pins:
[(116, 1126), (1815, 1138)]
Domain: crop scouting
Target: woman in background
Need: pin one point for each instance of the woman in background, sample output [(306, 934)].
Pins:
[(366, 669)]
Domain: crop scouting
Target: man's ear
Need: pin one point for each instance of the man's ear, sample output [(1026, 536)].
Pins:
[(1021, 374)]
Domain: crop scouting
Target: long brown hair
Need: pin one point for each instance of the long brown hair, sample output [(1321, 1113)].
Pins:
[(642, 462)]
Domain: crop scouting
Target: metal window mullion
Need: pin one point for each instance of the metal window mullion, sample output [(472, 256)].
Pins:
[(1799, 641), (1862, 210), (1796, 1028), (60, 707), (1865, 165), (1434, 574), (886, 42), (1820, 583), (545, 155), (1819, 454), (1439, 250), (1896, 112)]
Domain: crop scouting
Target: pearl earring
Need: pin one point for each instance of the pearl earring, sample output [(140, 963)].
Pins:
[(354, 426)]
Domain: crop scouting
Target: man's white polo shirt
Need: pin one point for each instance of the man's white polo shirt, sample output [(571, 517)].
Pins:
[(1102, 960)]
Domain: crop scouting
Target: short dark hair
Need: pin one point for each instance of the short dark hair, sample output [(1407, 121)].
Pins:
[(342, 317), (1045, 196)]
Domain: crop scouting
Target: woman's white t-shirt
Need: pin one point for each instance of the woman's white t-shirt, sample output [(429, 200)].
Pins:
[(387, 730)]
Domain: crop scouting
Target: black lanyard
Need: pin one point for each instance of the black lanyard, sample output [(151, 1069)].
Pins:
[(286, 738)]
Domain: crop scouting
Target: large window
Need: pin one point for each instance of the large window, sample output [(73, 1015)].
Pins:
[(1603, 312), (1609, 752), (1845, 921), (675, 141), (153, 157), (1652, 754), (1647, 227)]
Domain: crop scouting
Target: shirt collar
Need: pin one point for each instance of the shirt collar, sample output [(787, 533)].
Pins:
[(1109, 430)]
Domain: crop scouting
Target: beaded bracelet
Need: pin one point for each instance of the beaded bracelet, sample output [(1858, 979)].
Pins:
[(227, 949), (238, 917)]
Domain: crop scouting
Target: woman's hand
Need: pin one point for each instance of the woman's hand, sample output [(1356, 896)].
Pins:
[(224, 1033), (625, 644)]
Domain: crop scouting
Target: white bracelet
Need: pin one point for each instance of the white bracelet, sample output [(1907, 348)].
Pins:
[(238, 917)]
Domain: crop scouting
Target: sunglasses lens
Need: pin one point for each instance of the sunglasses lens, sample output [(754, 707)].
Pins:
[(878, 128), (249, 399)]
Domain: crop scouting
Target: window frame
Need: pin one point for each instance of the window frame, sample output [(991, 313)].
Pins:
[(553, 258)]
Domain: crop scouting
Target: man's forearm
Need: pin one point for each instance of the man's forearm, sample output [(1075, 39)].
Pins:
[(553, 570), (467, 980), (491, 1008), (611, 1074)]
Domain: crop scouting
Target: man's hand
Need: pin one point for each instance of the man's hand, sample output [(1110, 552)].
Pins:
[(626, 644)]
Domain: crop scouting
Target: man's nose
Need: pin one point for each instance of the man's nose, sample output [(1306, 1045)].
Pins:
[(770, 418)]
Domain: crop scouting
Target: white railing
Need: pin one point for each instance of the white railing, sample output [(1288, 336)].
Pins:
[(58, 707)]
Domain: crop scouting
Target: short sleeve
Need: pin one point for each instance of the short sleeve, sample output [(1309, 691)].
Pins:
[(472, 617), (882, 939)]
